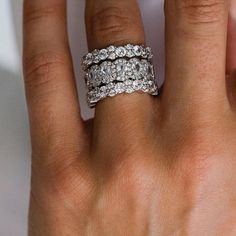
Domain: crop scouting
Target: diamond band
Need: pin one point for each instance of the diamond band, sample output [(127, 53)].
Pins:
[(97, 94), (113, 53), (118, 70)]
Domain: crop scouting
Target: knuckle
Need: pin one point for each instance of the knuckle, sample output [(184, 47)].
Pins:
[(64, 181), (193, 155), (203, 11), (134, 173), (32, 14), (112, 21), (42, 68)]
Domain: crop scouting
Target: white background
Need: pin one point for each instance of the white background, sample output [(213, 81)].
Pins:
[(14, 131)]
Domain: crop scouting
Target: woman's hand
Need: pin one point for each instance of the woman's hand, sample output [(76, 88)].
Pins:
[(144, 165)]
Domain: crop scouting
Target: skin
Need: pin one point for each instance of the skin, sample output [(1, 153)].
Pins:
[(144, 165)]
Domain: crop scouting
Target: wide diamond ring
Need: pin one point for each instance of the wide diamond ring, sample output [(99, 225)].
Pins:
[(108, 78)]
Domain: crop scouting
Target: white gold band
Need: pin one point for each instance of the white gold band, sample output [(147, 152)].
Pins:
[(113, 53), (129, 86), (118, 70), (129, 70)]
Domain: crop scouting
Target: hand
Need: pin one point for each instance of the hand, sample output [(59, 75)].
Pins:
[(144, 165)]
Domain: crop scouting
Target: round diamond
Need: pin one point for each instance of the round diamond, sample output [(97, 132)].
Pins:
[(129, 52), (112, 56), (95, 56), (103, 54), (111, 48), (112, 92), (137, 51), (120, 51)]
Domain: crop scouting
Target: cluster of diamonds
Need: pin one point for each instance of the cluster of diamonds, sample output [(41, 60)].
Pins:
[(113, 53), (115, 70), (120, 76), (129, 86), (118, 70)]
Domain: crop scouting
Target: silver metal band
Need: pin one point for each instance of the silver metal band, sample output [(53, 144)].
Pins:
[(129, 86), (113, 53), (118, 70), (120, 76)]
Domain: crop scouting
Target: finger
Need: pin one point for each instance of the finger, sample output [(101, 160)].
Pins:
[(231, 46), (117, 23), (50, 87), (196, 50)]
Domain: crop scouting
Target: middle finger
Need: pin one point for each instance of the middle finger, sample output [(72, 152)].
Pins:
[(123, 117)]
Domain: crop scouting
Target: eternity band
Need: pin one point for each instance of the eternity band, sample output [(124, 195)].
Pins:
[(113, 53), (118, 70), (109, 79), (97, 94)]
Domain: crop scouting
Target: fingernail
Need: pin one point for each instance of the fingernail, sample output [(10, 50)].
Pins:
[(233, 9)]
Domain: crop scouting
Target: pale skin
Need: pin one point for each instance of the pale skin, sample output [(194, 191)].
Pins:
[(144, 166)]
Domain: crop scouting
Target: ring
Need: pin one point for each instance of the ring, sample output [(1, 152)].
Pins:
[(126, 73), (119, 70), (129, 86), (112, 53)]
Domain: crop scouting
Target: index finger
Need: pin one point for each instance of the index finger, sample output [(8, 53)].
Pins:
[(49, 79)]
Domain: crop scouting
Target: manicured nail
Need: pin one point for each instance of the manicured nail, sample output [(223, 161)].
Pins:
[(233, 9)]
